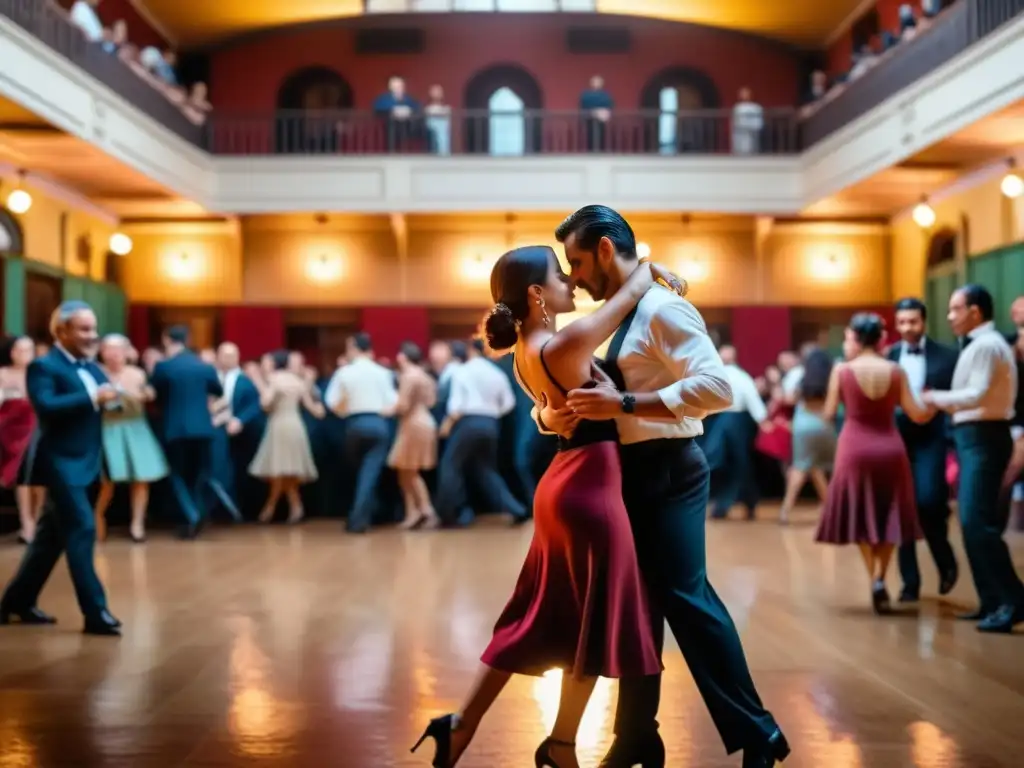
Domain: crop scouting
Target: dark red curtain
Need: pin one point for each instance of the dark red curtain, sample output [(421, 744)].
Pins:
[(390, 326), (759, 334), (138, 326), (256, 330)]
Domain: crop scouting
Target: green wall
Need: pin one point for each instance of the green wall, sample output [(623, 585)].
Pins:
[(107, 300)]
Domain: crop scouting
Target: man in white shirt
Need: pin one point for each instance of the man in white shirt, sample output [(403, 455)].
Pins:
[(239, 420), (83, 15), (929, 365), (68, 393), (480, 396), (364, 394), (729, 440), (981, 402), (669, 378)]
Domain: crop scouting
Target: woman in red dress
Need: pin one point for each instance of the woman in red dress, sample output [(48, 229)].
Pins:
[(870, 499), (579, 604), (17, 426)]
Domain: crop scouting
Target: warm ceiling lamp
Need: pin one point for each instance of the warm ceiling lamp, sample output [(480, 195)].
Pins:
[(120, 244), (924, 214), (19, 201), (643, 250), (1012, 185)]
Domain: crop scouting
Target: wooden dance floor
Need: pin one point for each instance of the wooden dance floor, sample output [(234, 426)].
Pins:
[(305, 647)]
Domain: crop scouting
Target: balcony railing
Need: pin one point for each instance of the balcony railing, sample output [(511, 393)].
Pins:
[(484, 132), (955, 30), (40, 19)]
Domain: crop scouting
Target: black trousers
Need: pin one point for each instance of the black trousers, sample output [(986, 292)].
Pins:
[(367, 439), (927, 452), (665, 486), (472, 453), (189, 462), (729, 447), (984, 449), (67, 526)]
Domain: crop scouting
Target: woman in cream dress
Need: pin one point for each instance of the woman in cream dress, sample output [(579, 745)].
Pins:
[(415, 447), (285, 457), (130, 449)]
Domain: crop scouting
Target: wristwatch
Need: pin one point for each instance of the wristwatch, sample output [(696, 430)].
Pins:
[(628, 403)]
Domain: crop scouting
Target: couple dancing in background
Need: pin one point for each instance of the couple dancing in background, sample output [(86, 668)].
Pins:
[(619, 539)]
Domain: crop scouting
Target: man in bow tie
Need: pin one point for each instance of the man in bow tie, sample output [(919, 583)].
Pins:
[(669, 376), (68, 393), (929, 366)]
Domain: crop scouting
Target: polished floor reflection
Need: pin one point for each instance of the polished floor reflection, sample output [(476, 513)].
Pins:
[(305, 647)]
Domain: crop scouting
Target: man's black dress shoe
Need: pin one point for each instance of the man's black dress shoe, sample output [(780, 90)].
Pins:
[(104, 624), (647, 751), (948, 580), (909, 595), (1003, 620), (25, 616), (767, 755)]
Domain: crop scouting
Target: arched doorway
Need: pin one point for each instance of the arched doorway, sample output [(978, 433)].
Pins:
[(671, 92), (305, 103), (504, 101), (11, 242), (941, 278)]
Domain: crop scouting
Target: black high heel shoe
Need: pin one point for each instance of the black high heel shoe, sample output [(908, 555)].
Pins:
[(440, 730), (542, 758), (647, 751)]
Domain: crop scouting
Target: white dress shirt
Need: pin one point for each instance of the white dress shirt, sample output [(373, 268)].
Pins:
[(480, 388), (792, 380), (745, 397), (361, 387), (984, 380), (667, 350), (228, 381), (84, 17), (914, 365), (87, 379)]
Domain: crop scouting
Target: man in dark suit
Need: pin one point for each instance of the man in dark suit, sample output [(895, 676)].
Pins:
[(929, 366), (184, 385), (239, 423), (68, 392)]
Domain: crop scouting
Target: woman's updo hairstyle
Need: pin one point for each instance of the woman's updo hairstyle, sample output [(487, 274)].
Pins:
[(867, 328), (511, 278)]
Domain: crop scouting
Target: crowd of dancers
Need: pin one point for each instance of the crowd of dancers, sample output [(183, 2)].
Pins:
[(618, 548)]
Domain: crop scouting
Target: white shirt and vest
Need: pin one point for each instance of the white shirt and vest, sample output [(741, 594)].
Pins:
[(745, 397), (87, 379), (480, 388), (361, 387), (985, 380)]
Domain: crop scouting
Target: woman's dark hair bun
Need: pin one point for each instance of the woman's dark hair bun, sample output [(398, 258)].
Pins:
[(868, 328), (501, 328)]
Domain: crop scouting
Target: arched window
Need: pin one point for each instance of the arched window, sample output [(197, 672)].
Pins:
[(308, 104), (507, 123), (10, 234), (942, 247), (671, 94), (503, 103)]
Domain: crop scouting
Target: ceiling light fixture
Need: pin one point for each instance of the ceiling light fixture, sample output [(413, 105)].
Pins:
[(924, 214), (19, 201), (1012, 185)]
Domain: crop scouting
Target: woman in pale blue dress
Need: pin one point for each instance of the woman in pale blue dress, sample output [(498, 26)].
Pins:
[(130, 449)]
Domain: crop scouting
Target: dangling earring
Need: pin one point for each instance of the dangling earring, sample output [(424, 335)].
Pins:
[(544, 312)]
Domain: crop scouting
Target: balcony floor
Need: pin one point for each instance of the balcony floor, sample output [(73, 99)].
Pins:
[(306, 647)]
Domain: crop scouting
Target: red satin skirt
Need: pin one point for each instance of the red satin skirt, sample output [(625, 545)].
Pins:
[(17, 423), (580, 604)]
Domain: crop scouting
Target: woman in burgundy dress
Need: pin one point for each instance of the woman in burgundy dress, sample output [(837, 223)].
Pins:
[(17, 426), (579, 604), (870, 499)]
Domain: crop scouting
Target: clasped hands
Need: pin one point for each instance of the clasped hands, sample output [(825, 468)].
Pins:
[(595, 403)]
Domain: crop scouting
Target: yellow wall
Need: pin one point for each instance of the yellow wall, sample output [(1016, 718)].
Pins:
[(41, 228), (357, 260), (992, 221)]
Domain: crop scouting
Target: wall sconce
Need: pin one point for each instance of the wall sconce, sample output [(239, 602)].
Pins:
[(19, 201), (643, 250), (323, 268), (120, 244), (830, 267), (183, 267), (694, 270), (476, 269), (1012, 185), (924, 214)]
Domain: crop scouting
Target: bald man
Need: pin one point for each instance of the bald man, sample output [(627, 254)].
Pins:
[(239, 421)]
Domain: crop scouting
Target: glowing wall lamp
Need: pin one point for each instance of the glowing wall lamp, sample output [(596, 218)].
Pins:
[(830, 267), (643, 250), (476, 269), (120, 244), (19, 201), (183, 267), (924, 214), (323, 268), (1012, 185)]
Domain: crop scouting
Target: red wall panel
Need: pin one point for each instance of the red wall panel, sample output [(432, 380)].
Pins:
[(759, 333), (256, 330), (246, 76), (390, 326)]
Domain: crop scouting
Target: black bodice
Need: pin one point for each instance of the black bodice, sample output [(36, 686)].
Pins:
[(588, 433)]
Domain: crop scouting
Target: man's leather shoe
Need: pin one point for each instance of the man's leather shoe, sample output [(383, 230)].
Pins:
[(25, 616), (104, 624), (948, 580), (647, 751), (1003, 620), (909, 595), (767, 755)]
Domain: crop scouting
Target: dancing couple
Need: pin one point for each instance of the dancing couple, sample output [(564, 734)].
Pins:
[(620, 512)]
